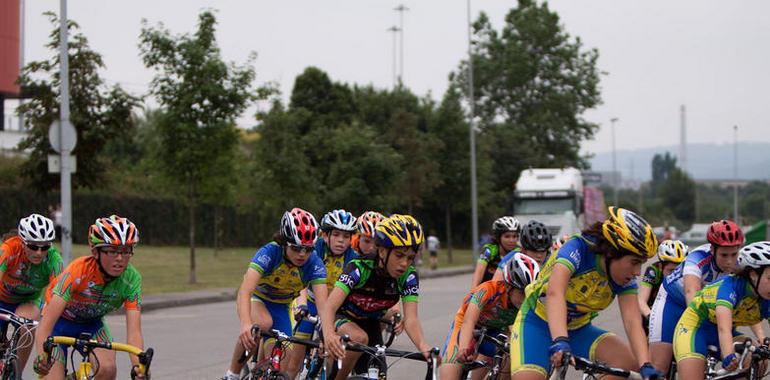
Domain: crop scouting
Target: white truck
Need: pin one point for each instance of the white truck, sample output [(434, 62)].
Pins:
[(559, 198)]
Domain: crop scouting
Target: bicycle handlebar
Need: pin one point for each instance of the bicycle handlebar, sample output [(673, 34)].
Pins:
[(145, 357), (16, 320), (590, 367)]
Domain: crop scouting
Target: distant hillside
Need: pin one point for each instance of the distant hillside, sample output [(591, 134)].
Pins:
[(705, 161)]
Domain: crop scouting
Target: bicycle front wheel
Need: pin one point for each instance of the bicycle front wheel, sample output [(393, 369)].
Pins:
[(11, 370)]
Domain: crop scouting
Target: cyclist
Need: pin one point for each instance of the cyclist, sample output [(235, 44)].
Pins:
[(87, 290), (671, 253), (276, 275), (704, 265), (505, 237), (333, 248), (535, 242), (28, 264), (493, 305), (742, 299), (372, 284), (363, 240), (576, 283)]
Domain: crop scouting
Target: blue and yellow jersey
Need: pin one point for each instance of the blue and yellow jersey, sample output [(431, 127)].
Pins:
[(589, 290), (334, 264), (700, 263), (736, 294), (281, 281)]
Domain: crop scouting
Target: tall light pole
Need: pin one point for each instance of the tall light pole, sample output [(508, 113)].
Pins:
[(735, 174), (66, 185), (401, 9), (394, 29), (472, 132), (614, 164)]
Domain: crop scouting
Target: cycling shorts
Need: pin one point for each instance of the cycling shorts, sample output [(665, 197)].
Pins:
[(664, 315), (97, 328), (305, 328), (280, 314), (693, 335), (530, 339)]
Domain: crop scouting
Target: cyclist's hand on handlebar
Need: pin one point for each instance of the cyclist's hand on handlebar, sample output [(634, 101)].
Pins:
[(300, 312), (558, 348), (426, 350), (465, 355), (136, 374), (333, 345), (42, 365), (647, 371), (247, 341), (730, 362)]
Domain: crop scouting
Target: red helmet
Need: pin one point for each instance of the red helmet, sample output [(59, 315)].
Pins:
[(724, 233), (299, 227)]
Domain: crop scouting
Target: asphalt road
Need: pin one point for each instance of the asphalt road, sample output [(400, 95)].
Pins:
[(195, 342)]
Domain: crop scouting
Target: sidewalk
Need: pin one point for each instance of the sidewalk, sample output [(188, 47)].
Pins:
[(163, 301)]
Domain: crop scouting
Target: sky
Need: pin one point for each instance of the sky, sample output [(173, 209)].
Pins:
[(711, 56)]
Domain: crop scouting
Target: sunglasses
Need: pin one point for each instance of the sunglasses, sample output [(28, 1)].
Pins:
[(301, 248), (35, 247)]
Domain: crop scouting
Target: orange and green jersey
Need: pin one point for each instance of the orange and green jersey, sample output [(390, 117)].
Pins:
[(23, 281), (496, 310), (89, 296)]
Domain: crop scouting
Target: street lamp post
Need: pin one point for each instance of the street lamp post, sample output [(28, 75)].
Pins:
[(394, 29), (614, 164)]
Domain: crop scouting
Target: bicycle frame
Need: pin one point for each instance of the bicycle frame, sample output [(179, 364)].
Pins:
[(501, 351), (11, 346), (590, 369), (84, 342)]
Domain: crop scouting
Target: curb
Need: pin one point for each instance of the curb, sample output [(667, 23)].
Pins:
[(165, 301)]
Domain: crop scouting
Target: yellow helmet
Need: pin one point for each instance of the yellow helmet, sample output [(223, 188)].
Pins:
[(628, 231), (673, 251), (398, 231)]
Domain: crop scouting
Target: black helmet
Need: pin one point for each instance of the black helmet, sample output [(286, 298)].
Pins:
[(535, 236)]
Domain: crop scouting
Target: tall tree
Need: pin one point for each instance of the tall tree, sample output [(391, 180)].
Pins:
[(678, 195), (201, 97), (663, 165), (532, 82), (99, 113)]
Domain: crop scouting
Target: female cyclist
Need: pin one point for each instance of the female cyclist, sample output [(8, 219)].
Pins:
[(577, 282)]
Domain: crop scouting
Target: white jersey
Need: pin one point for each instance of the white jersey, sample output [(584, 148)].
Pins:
[(433, 243)]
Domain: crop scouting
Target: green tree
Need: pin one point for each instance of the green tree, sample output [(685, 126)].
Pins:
[(663, 165), (98, 113), (678, 195), (201, 97), (532, 84)]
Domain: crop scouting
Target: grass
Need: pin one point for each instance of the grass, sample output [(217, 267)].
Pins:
[(166, 269)]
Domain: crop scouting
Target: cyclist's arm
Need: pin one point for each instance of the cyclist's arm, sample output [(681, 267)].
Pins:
[(469, 324), (644, 296), (724, 318), (692, 284), (320, 291), (51, 313), (134, 332), (632, 323), (758, 332), (413, 327), (302, 297), (328, 310), (498, 275), (556, 305), (243, 301), (478, 274)]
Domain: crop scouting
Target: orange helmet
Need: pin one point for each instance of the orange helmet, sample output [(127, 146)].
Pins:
[(367, 222)]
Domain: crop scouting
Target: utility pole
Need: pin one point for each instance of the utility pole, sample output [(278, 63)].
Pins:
[(401, 9), (394, 29), (472, 131), (615, 174)]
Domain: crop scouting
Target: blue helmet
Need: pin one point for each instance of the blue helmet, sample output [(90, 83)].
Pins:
[(339, 220)]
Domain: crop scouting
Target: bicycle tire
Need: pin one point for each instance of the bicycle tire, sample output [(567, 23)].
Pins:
[(279, 376), (11, 370)]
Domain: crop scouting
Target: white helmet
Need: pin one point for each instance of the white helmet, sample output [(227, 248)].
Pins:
[(505, 224), (754, 255), (673, 251), (339, 220), (36, 229), (520, 271)]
